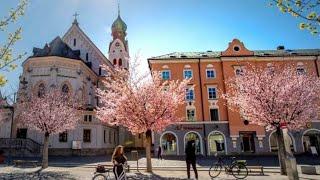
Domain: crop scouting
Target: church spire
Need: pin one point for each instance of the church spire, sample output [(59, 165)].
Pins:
[(118, 8)]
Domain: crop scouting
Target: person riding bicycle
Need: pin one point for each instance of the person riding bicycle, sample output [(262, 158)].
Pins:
[(118, 160)]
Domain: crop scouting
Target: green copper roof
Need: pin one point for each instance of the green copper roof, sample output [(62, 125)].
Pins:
[(119, 24), (217, 54)]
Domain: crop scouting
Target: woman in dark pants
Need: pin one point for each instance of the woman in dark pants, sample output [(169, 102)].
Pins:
[(118, 160), (191, 158)]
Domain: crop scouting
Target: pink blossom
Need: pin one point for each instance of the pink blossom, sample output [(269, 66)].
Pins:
[(273, 96), (52, 113)]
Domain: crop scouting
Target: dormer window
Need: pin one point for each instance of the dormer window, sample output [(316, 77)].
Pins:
[(74, 42)]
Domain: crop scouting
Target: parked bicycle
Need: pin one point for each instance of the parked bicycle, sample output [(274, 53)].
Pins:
[(104, 174), (238, 168), (101, 173)]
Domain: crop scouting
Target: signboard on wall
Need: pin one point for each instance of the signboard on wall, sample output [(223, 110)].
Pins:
[(76, 145)]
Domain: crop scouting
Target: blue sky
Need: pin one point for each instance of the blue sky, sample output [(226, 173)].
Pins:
[(157, 27)]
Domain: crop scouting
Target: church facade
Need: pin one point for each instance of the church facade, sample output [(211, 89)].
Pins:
[(75, 65)]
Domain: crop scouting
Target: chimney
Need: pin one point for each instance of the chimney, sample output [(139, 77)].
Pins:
[(280, 47)]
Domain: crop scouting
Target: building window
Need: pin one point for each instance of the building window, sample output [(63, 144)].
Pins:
[(104, 136), (214, 114), (114, 61), (63, 137), (212, 93), (87, 135), (190, 114), (120, 62), (74, 42), (187, 74), (166, 75), (88, 118), (65, 89), (110, 137), (189, 94), (100, 71), (300, 70), (211, 73), (41, 90), (87, 56), (239, 71)]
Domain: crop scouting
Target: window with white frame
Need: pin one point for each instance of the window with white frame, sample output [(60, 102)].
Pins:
[(212, 92), (214, 114), (187, 73), (165, 74), (191, 113), (88, 118), (211, 73), (189, 94)]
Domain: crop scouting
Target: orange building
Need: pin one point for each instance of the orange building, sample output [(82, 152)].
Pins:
[(207, 119)]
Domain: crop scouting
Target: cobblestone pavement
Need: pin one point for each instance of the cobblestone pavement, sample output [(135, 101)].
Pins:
[(86, 173)]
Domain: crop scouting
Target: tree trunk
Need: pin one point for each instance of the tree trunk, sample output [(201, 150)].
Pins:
[(281, 152), (148, 151), (291, 163), (45, 151)]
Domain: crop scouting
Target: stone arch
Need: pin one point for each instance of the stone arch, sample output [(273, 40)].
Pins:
[(37, 86), (291, 137), (224, 138), (200, 140), (175, 135), (304, 133), (68, 84)]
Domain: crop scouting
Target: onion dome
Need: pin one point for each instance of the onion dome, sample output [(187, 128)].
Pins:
[(119, 25)]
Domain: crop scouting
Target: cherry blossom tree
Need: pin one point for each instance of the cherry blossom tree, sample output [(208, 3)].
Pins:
[(51, 113), (139, 104), (275, 97)]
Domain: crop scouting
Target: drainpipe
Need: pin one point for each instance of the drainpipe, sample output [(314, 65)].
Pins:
[(316, 65), (204, 125)]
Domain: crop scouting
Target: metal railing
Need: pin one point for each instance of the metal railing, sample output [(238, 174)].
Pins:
[(16, 143)]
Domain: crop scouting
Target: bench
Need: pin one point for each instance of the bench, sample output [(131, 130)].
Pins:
[(18, 163), (260, 168)]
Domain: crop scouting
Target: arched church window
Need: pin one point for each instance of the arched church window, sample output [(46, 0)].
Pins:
[(74, 42), (41, 90), (87, 56), (114, 61), (120, 62), (65, 89), (100, 71)]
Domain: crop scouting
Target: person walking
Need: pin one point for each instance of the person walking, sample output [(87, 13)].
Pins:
[(119, 160), (160, 153), (191, 158)]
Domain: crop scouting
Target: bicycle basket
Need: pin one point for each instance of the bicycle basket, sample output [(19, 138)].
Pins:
[(100, 169)]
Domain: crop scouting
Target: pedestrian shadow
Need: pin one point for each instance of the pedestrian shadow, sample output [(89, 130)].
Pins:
[(151, 176), (36, 175)]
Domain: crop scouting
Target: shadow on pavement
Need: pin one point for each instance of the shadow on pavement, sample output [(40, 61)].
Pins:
[(38, 175), (152, 176)]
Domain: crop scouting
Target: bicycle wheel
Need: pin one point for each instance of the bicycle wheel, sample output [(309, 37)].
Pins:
[(99, 177), (215, 170), (239, 171)]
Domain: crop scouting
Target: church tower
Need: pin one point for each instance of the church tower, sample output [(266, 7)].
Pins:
[(118, 48)]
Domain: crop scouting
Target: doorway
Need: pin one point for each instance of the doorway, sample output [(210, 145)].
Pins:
[(247, 142)]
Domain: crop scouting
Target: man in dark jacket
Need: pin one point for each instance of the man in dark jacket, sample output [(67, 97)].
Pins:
[(191, 158)]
